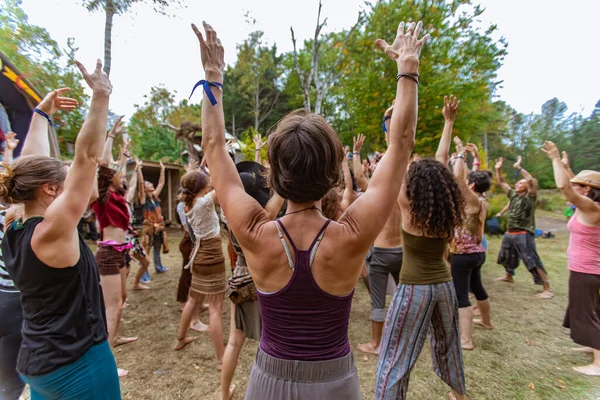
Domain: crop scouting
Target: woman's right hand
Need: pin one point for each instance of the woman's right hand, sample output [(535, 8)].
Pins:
[(406, 47), (97, 81)]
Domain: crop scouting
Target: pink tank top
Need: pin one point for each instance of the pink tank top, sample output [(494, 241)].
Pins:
[(584, 247)]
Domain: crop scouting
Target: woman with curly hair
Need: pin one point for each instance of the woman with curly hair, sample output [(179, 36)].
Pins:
[(432, 207)]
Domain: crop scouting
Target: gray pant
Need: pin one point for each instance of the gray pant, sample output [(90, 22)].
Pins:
[(382, 262), (274, 379)]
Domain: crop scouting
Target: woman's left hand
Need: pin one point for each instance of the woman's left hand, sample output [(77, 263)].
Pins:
[(211, 50)]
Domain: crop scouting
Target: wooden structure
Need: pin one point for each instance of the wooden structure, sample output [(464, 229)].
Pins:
[(168, 196)]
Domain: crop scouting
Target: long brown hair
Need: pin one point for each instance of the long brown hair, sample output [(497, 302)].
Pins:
[(20, 180)]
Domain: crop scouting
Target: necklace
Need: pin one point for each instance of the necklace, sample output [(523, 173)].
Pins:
[(304, 209)]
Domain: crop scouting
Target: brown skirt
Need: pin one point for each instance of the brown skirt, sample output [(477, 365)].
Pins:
[(185, 280), (109, 260), (583, 311), (208, 269)]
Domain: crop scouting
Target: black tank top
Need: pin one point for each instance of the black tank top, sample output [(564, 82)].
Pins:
[(63, 308)]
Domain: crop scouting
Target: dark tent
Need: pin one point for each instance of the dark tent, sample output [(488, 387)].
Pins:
[(19, 98)]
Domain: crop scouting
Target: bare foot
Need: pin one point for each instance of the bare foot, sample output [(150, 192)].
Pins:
[(480, 323), (467, 345), (231, 393), (124, 340), (507, 278), (453, 396), (368, 348), (590, 370), (583, 349), (545, 295), (139, 286), (181, 343), (122, 372), (199, 326)]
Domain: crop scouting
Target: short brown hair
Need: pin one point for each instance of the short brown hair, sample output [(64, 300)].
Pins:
[(20, 180), (305, 155)]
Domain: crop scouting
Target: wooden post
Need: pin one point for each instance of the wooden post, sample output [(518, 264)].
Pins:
[(170, 192)]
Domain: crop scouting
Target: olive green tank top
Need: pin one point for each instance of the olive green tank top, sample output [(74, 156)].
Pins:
[(423, 262)]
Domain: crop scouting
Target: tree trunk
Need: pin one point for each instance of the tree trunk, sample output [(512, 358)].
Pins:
[(256, 105), (110, 12)]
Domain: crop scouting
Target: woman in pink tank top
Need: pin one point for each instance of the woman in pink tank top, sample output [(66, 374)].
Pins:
[(305, 267), (583, 311)]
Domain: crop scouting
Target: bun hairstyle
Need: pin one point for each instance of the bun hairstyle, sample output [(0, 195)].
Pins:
[(436, 202), (20, 180), (191, 184), (305, 155), (482, 180)]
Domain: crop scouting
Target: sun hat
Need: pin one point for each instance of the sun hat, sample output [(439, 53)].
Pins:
[(588, 178)]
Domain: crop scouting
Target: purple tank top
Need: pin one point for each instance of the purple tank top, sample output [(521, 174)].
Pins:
[(301, 321)]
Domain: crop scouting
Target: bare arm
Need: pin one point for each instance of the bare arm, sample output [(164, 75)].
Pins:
[(460, 172), (526, 175), (387, 180), (472, 148), (161, 182), (562, 179), (348, 195), (498, 167), (55, 240), (504, 210), (244, 214), (36, 141), (141, 188), (565, 161), (450, 110), (274, 205), (359, 174), (258, 144), (132, 188)]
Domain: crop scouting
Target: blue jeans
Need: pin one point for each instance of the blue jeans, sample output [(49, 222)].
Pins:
[(92, 377), (157, 242)]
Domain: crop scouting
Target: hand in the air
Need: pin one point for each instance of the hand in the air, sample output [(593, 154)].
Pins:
[(517, 165), (11, 141), (552, 151), (358, 142), (98, 81), (258, 142), (450, 108), (499, 163), (407, 45), (211, 50), (54, 101)]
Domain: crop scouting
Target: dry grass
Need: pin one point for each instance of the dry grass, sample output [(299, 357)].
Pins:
[(528, 346)]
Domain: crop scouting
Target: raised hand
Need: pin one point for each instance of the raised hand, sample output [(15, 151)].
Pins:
[(211, 50), (450, 108), (258, 142), (117, 129), (472, 148), (552, 152), (11, 141), (138, 164), (407, 45), (565, 159), (54, 102), (97, 81), (517, 165), (162, 167), (229, 145), (191, 166), (358, 142), (499, 163), (459, 145), (390, 111)]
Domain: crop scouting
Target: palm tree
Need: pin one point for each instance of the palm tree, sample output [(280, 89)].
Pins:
[(116, 7)]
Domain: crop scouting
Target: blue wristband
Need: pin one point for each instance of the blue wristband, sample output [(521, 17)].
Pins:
[(383, 123), (43, 114), (206, 86)]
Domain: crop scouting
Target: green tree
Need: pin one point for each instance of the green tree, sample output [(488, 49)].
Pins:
[(460, 59), (585, 145), (117, 7)]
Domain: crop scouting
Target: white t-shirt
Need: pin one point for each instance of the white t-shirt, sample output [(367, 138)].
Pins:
[(203, 218)]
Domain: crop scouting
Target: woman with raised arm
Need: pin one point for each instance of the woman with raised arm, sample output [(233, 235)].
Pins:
[(11, 311), (113, 217), (209, 282), (65, 352), (583, 311), (155, 236), (466, 248), (305, 266), (432, 207)]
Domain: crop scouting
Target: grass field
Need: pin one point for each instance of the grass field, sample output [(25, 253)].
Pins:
[(527, 356)]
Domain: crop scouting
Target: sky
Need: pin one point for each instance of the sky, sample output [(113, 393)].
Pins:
[(551, 52)]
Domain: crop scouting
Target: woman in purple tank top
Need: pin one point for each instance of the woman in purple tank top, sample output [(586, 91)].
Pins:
[(583, 310), (305, 266)]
